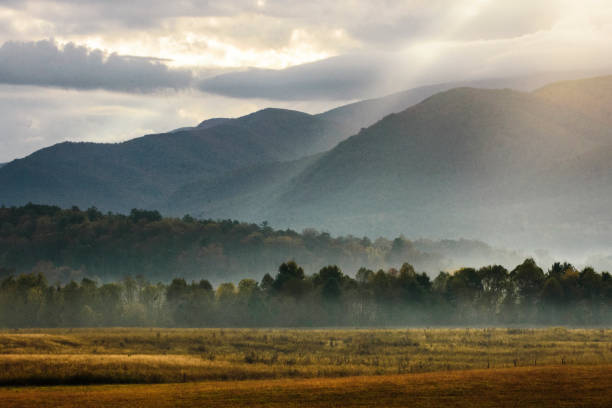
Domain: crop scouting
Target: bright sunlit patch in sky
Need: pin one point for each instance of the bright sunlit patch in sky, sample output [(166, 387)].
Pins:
[(196, 48), (225, 55), (472, 8)]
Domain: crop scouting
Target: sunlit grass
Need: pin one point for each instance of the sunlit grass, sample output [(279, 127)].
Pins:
[(83, 356), (550, 386)]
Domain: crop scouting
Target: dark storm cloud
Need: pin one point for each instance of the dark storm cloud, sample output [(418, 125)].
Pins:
[(43, 63)]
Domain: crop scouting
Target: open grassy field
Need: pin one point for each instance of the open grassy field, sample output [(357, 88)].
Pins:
[(111, 356), (151, 367), (560, 386)]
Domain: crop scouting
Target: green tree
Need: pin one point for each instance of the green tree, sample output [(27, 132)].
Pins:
[(290, 280), (529, 280)]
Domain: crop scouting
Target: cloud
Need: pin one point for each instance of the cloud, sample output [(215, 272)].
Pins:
[(44, 63), (566, 46), (344, 77), (85, 16), (495, 20), (403, 23), (377, 21), (193, 27)]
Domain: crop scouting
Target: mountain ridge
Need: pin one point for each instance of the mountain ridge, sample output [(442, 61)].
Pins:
[(463, 163), (141, 172)]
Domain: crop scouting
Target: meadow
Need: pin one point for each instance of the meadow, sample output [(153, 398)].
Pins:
[(151, 355), (550, 386)]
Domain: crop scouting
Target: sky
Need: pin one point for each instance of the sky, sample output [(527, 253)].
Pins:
[(111, 70)]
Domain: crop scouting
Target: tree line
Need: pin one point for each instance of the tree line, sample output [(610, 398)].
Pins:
[(491, 295), (72, 244)]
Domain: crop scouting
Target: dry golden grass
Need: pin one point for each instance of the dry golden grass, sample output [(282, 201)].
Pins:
[(560, 386), (104, 356)]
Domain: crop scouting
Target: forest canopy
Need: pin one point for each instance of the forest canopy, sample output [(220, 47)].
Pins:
[(490, 295), (72, 267), (72, 244)]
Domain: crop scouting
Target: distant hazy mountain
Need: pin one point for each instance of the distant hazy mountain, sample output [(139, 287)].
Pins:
[(204, 198), (505, 166), (362, 114), (143, 172), (243, 192), (460, 136), (592, 97)]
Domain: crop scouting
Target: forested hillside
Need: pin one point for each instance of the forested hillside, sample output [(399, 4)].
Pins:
[(72, 244)]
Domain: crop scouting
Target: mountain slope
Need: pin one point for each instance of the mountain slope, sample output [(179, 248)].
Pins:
[(145, 172), (365, 113), (592, 97), (464, 162), (512, 168), (469, 133), (208, 197), (142, 172), (244, 193)]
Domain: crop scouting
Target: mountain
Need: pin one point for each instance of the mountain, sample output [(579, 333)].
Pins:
[(465, 134), (512, 168), (460, 162), (205, 196), (575, 198), (592, 97), (146, 172), (243, 192), (143, 172), (365, 113), (209, 123), (466, 162)]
